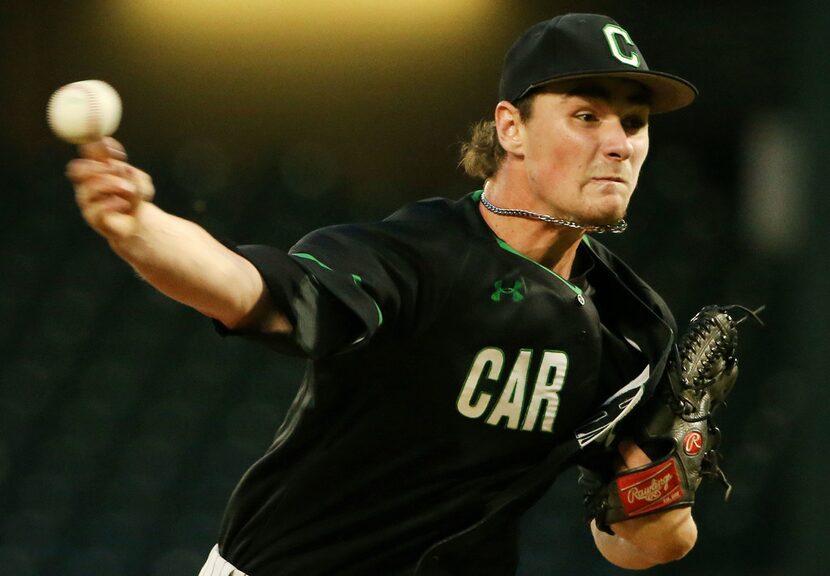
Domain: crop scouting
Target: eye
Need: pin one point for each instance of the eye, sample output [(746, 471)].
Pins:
[(587, 117), (634, 123)]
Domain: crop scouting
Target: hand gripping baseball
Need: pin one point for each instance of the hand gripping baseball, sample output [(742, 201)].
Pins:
[(108, 190), (675, 427)]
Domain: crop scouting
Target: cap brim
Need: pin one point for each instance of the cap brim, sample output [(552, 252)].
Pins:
[(668, 92)]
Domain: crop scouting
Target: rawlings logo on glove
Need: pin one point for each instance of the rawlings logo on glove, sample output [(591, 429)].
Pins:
[(650, 489), (675, 427)]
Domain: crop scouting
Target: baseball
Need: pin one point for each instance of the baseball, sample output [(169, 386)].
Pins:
[(84, 112)]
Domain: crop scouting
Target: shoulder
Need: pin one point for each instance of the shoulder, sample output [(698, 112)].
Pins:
[(630, 279), (431, 219), (422, 226), (430, 209)]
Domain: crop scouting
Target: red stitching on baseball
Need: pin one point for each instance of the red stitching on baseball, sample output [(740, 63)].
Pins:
[(93, 119)]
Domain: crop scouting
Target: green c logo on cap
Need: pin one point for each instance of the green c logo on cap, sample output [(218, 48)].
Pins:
[(612, 31)]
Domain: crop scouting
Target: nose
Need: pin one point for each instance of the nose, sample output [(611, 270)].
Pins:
[(616, 142)]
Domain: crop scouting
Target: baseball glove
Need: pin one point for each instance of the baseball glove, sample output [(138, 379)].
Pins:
[(675, 427)]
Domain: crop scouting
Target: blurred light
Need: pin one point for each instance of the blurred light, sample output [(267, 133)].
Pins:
[(295, 18), (772, 187), (274, 75), (305, 41)]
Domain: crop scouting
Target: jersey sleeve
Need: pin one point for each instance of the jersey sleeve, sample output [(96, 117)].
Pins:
[(339, 287)]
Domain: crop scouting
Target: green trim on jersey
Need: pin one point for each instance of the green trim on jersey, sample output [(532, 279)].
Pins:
[(306, 256), (357, 279), (576, 289), (504, 245)]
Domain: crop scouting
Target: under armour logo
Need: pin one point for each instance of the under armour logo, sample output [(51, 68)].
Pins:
[(516, 292)]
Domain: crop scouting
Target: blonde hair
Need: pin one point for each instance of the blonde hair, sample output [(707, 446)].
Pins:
[(481, 153)]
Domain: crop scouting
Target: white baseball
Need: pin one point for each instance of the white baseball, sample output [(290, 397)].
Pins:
[(84, 112)]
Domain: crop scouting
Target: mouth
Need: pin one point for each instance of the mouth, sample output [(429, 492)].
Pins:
[(609, 179)]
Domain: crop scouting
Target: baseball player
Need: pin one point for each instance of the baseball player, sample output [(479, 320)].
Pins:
[(461, 353)]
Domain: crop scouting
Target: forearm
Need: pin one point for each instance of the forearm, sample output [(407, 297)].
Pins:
[(176, 256), (183, 261), (649, 540)]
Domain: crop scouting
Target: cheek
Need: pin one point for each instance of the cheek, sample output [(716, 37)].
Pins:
[(558, 158), (640, 153)]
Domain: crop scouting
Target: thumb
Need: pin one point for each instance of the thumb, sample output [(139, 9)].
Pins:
[(632, 455)]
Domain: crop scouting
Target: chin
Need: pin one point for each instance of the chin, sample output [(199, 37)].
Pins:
[(608, 207), (610, 215)]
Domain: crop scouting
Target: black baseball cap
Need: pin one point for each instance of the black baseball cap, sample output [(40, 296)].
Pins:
[(584, 46)]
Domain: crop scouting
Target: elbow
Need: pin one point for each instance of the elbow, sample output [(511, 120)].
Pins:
[(230, 323), (252, 309), (266, 321), (233, 316)]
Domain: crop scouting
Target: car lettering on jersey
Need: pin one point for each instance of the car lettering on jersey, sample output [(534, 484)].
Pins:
[(524, 403)]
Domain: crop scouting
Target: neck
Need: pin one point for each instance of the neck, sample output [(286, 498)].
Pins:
[(552, 246)]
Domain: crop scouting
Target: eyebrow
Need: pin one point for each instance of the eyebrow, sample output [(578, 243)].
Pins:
[(588, 90)]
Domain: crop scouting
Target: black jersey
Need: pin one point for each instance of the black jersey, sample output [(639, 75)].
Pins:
[(450, 378)]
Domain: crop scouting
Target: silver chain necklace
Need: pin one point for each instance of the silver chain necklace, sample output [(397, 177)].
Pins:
[(615, 228)]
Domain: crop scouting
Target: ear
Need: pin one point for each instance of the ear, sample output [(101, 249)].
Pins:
[(508, 123)]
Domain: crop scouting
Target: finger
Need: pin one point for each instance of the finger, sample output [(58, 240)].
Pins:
[(106, 204), (80, 169), (632, 455), (146, 188), (97, 187), (123, 169), (143, 182), (83, 171), (106, 148)]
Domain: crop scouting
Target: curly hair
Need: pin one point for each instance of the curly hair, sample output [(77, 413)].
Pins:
[(482, 154)]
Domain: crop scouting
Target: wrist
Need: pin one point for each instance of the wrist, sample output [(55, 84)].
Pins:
[(662, 537), (132, 240)]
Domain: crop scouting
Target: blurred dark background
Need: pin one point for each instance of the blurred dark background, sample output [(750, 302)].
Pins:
[(125, 421)]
